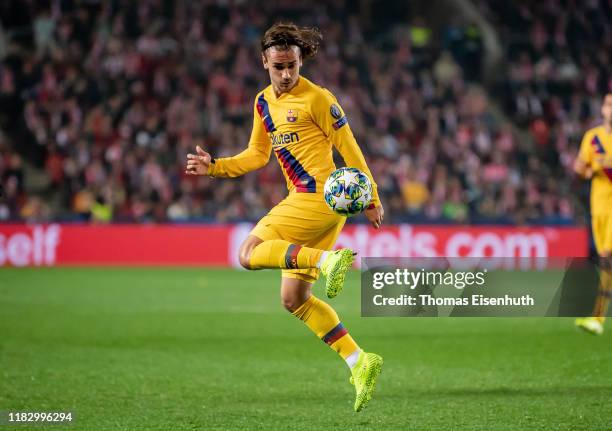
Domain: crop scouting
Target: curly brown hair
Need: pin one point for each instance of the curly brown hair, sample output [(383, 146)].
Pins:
[(284, 35)]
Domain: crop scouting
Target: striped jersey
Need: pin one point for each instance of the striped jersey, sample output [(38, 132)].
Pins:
[(301, 127)]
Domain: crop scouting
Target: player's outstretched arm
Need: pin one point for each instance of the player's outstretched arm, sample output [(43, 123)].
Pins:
[(255, 156), (197, 164)]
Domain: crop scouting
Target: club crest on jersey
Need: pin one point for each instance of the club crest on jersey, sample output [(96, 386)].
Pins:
[(291, 116), (335, 112)]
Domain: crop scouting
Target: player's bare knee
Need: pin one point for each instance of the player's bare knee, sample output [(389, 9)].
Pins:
[(291, 303), (294, 293), (288, 304), (244, 257)]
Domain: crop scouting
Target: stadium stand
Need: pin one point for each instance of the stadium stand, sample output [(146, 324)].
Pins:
[(107, 98)]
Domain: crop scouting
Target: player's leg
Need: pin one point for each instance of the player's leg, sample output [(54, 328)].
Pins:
[(602, 234), (605, 287), (279, 253), (320, 317), (365, 367), (324, 322), (256, 253), (594, 324), (278, 242)]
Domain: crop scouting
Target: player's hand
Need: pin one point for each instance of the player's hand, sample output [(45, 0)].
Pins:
[(375, 215), (583, 170), (197, 164)]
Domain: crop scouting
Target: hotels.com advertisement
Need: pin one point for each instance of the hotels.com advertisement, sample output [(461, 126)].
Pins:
[(217, 245)]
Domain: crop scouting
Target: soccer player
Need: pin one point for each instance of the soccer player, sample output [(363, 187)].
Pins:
[(594, 162), (301, 122)]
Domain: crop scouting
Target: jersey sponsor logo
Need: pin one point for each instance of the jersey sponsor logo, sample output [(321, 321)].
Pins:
[(335, 111), (291, 116), (284, 138)]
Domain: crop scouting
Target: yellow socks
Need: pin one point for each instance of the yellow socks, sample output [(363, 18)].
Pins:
[(324, 322), (603, 296), (278, 253), (316, 314)]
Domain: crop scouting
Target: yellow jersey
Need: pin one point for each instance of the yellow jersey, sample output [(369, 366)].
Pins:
[(300, 126), (596, 152)]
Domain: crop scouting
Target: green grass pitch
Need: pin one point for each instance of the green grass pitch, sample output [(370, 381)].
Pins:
[(191, 349)]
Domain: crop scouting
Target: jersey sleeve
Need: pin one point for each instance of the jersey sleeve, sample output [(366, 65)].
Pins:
[(330, 117), (254, 157), (585, 154)]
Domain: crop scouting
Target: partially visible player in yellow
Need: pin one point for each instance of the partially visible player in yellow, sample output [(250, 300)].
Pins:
[(594, 162), (301, 123)]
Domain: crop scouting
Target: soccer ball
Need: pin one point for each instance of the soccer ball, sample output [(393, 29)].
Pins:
[(348, 191)]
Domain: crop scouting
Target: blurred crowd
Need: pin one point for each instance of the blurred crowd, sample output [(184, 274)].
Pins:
[(11, 182), (558, 67), (113, 95)]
